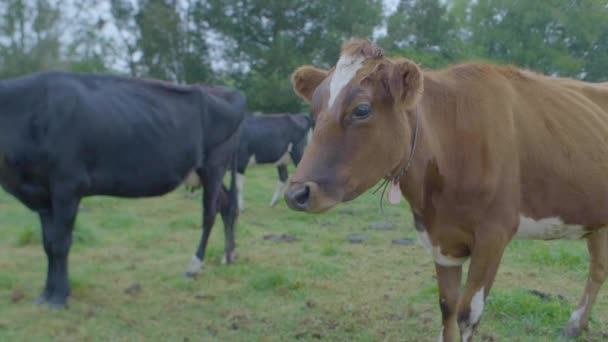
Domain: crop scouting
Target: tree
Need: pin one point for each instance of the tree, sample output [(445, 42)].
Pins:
[(552, 36), (172, 42), (425, 31), (31, 37), (266, 40)]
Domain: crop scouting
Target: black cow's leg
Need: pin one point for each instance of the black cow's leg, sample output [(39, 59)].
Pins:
[(46, 222), (57, 239), (281, 185), (212, 182), (229, 211)]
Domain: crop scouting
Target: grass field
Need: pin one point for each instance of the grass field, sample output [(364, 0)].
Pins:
[(129, 256)]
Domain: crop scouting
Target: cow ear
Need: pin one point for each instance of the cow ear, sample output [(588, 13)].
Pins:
[(306, 79), (406, 83)]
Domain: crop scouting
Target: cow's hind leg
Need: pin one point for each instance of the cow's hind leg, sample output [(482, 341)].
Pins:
[(212, 183), (281, 185), (229, 211), (597, 243), (57, 227)]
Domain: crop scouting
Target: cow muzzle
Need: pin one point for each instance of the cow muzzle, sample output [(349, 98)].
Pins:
[(308, 197)]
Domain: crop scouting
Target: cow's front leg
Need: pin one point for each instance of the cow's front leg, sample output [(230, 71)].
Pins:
[(485, 258), (448, 279)]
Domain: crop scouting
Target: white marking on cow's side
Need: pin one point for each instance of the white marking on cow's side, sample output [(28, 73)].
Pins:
[(278, 193), (252, 160), (547, 229), (286, 157), (192, 180), (240, 188), (440, 339), (575, 318), (346, 69), (195, 267), (438, 257)]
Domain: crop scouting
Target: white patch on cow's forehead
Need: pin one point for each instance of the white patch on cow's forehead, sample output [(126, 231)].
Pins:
[(547, 229), (346, 69)]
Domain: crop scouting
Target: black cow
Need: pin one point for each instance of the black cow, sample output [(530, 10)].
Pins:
[(271, 139), (64, 136)]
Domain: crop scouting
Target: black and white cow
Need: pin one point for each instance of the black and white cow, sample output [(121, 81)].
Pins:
[(271, 139), (65, 136)]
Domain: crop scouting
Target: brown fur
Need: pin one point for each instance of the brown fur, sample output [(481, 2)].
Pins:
[(495, 142)]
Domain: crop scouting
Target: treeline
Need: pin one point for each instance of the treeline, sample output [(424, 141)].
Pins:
[(254, 45)]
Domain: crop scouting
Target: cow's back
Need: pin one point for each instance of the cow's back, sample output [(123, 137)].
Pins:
[(562, 133), (268, 137), (115, 135)]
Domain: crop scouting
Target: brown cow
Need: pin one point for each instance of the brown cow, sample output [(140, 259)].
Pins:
[(483, 154)]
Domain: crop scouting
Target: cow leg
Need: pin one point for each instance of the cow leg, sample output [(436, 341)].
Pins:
[(46, 222), (240, 188), (485, 259), (281, 185), (229, 211), (448, 279), (212, 183), (597, 243), (57, 227)]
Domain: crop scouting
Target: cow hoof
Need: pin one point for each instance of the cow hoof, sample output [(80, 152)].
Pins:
[(572, 331), (57, 302), (41, 299), (191, 275), (225, 260)]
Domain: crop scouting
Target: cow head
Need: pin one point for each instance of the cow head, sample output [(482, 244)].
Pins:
[(364, 116)]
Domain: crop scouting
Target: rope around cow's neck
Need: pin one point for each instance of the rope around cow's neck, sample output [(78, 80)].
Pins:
[(405, 168)]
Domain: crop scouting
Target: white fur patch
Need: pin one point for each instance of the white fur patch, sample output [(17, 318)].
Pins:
[(441, 259), (308, 136), (575, 317), (440, 339), (286, 158), (252, 160), (547, 229), (225, 259), (346, 69), (240, 188), (278, 193), (196, 265), (477, 303)]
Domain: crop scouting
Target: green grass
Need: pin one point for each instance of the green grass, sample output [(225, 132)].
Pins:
[(320, 286)]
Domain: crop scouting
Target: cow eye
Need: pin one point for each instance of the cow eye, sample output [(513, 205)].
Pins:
[(361, 112)]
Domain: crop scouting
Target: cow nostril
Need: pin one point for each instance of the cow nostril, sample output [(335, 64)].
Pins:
[(301, 196), (298, 199)]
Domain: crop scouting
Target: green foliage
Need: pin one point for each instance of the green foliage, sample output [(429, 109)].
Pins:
[(272, 38), (520, 310), (255, 45)]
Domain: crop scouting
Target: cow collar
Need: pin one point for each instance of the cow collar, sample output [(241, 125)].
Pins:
[(408, 162)]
